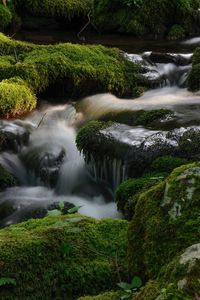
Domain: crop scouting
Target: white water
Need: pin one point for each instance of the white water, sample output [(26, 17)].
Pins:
[(55, 133), (184, 103)]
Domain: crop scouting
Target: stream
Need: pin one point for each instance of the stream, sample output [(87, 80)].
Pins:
[(49, 168)]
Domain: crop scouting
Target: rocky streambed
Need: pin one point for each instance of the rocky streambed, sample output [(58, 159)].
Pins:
[(134, 161)]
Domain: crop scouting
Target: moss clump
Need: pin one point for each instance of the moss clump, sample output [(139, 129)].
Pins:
[(5, 16), (142, 17), (59, 8), (61, 257), (6, 179), (176, 32), (165, 221), (106, 296), (134, 118), (167, 164), (83, 139), (15, 97), (128, 192), (194, 75)]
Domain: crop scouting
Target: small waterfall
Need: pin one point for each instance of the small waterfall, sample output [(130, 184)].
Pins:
[(112, 171), (162, 69)]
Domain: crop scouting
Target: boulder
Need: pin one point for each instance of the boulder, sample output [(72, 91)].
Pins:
[(165, 222), (135, 147)]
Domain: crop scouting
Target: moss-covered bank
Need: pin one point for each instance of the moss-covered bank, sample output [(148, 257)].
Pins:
[(142, 17), (62, 257), (58, 8)]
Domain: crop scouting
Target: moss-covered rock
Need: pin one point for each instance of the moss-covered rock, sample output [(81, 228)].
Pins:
[(166, 221), (74, 70), (179, 280), (15, 97), (6, 179), (142, 17), (62, 257)]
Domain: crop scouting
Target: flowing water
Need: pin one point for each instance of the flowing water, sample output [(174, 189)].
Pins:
[(49, 169)]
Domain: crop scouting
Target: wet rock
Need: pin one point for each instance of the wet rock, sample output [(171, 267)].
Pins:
[(166, 58), (137, 147), (44, 162), (13, 136)]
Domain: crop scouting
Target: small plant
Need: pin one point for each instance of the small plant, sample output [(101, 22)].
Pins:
[(7, 281), (130, 288)]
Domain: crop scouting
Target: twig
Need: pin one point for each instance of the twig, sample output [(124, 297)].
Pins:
[(41, 120)]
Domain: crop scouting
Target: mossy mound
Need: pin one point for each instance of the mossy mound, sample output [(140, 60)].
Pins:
[(59, 8), (142, 17), (165, 222), (62, 257), (15, 97), (6, 179)]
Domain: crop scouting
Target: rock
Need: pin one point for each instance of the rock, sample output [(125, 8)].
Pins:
[(166, 58), (6, 179), (135, 147), (166, 221), (13, 136)]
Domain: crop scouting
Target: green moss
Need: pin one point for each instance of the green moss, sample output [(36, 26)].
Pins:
[(15, 97), (167, 163), (128, 192), (176, 32), (142, 17), (59, 8), (193, 80), (61, 257), (6, 179), (5, 16), (105, 296), (134, 118), (78, 70), (165, 221), (83, 139)]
